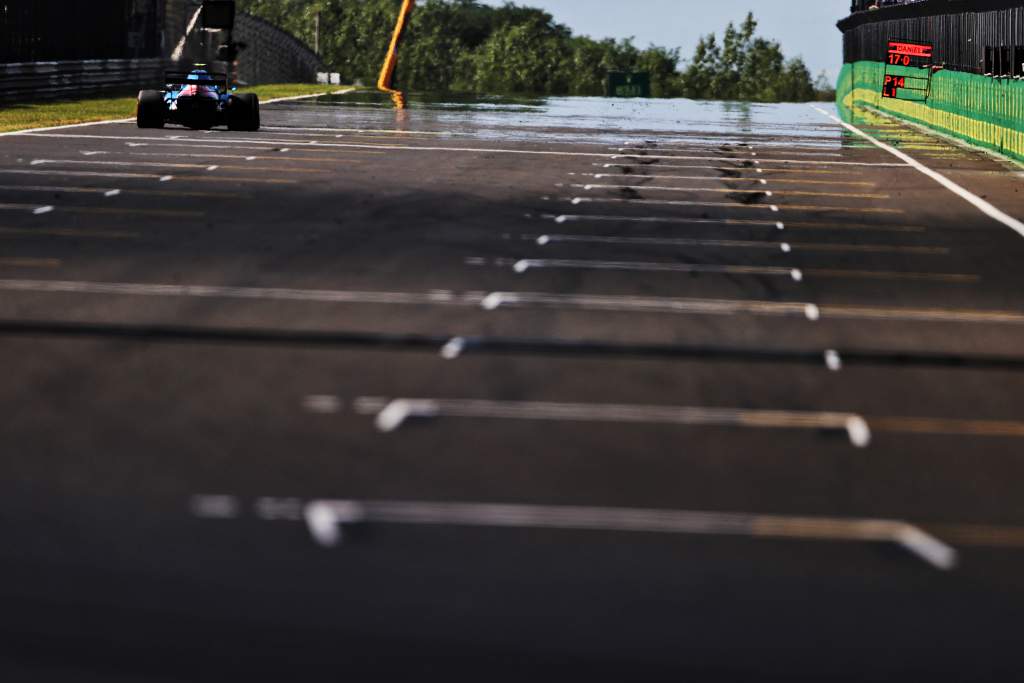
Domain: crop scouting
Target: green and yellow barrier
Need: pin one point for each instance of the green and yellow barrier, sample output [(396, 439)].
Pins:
[(984, 111)]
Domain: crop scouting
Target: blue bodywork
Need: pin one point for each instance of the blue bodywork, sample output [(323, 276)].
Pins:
[(197, 101)]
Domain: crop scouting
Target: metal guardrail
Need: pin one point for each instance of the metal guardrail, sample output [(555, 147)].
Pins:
[(54, 80)]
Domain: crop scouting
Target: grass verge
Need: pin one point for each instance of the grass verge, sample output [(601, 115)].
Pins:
[(46, 114)]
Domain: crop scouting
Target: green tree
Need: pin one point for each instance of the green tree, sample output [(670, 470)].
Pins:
[(463, 45)]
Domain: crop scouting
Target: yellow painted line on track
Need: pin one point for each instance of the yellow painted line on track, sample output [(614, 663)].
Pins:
[(869, 248), (768, 172), (68, 232), (733, 205), (786, 247), (850, 196), (806, 181), (941, 315), (633, 178), (237, 179), (951, 278), (806, 225), (981, 535), (30, 262), (392, 413), (948, 427), (839, 209), (768, 192), (325, 521)]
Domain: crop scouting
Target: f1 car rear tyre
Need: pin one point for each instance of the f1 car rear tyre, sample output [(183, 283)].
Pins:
[(151, 112), (243, 112)]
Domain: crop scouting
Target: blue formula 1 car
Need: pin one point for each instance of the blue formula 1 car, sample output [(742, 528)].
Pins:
[(200, 100)]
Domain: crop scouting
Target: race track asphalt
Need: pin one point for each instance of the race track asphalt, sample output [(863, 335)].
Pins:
[(581, 390)]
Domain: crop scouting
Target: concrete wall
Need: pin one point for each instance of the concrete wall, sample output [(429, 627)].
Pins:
[(273, 56)]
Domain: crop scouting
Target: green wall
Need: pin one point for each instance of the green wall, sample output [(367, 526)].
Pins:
[(983, 111)]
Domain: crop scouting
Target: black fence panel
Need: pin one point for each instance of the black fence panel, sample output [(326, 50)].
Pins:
[(50, 30), (988, 41)]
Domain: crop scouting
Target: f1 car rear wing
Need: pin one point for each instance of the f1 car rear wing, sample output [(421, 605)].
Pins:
[(185, 78)]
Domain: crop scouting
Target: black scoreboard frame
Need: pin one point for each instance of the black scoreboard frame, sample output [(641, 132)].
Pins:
[(906, 54)]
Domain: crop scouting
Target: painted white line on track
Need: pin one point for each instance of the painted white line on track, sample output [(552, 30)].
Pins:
[(392, 413), (158, 164), (202, 155), (345, 145), (522, 266), (255, 293), (471, 150), (766, 193), (807, 162), (576, 201), (77, 174), (628, 169), (752, 153), (359, 130), (65, 127), (488, 301), (98, 162), (971, 198), (785, 247), (633, 177), (633, 304), (655, 188), (215, 507), (297, 98), (34, 208), (54, 188), (323, 404), (583, 218), (494, 301), (326, 519), (453, 349)]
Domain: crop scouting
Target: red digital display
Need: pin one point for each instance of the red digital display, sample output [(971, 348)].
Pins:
[(900, 84), (891, 86), (904, 54)]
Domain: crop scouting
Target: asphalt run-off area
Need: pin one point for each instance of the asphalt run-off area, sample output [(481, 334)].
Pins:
[(633, 390)]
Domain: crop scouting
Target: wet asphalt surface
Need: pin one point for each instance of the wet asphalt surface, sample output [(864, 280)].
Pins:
[(607, 307)]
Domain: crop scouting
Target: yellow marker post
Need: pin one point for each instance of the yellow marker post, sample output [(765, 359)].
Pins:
[(387, 72)]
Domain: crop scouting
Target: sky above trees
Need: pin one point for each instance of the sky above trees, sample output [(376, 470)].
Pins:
[(805, 28)]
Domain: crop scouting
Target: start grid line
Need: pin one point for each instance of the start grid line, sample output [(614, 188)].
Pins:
[(327, 522)]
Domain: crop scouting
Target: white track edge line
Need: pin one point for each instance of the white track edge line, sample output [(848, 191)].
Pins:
[(968, 196)]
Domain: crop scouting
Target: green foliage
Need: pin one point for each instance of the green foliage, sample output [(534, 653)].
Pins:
[(461, 45), (745, 67)]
